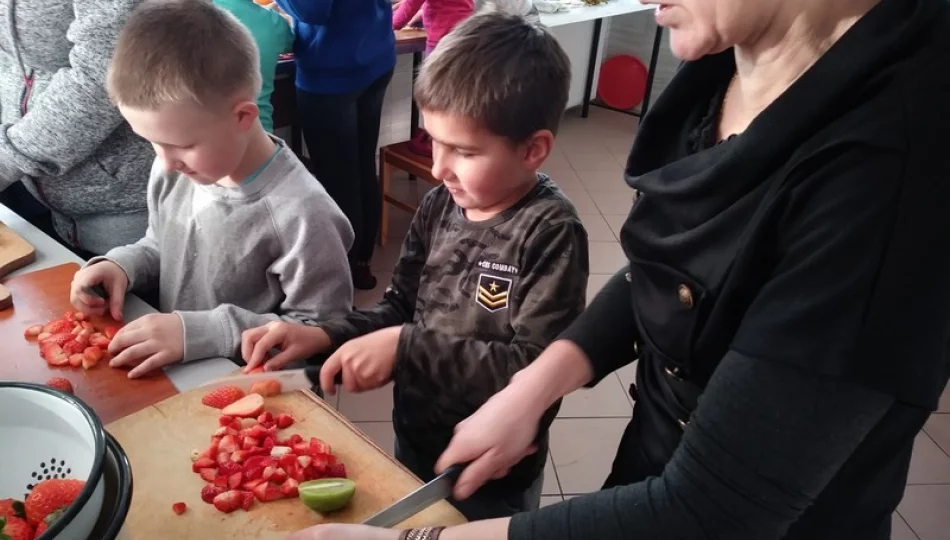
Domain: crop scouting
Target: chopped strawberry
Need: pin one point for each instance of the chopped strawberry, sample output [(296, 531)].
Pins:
[(79, 316), (75, 360), (249, 443), (287, 461), (247, 500), (229, 444), (289, 488), (110, 331), (209, 474), (271, 425), (298, 473), (254, 473), (268, 472), (269, 443), (224, 457), (267, 492), (99, 340), (58, 327), (54, 354), (301, 449), (59, 339), (82, 338), (203, 463), (296, 439), (236, 424), (87, 325), (266, 388), (304, 461), (256, 370), (225, 420), (221, 482), (337, 470), (254, 461), (61, 384), (209, 492), (76, 330), (246, 407), (220, 432), (284, 421), (239, 456), (265, 416), (279, 476), (69, 316), (33, 331), (257, 432), (251, 484), (228, 468), (234, 480), (179, 508), (228, 501), (318, 447), (258, 452), (220, 398)]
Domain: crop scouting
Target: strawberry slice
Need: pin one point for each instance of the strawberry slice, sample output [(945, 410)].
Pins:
[(269, 443), (179, 508), (79, 316), (304, 461), (208, 475), (289, 488), (284, 421), (228, 468), (239, 456), (268, 472), (266, 388), (234, 480), (110, 331), (54, 354), (337, 470), (288, 461), (75, 360), (33, 331), (99, 340), (203, 463), (318, 447), (225, 420), (267, 492), (228, 501), (257, 431), (221, 482), (58, 327), (251, 484), (59, 339), (73, 347), (249, 406), (229, 444), (279, 476), (296, 439), (209, 492), (224, 457), (92, 356), (247, 500), (249, 443), (265, 416)]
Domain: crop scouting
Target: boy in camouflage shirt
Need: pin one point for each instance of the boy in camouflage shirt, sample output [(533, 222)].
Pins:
[(494, 266)]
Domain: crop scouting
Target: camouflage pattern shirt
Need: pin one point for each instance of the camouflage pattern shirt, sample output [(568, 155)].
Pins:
[(478, 302)]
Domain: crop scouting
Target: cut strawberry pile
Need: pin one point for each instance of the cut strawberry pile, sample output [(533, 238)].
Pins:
[(248, 460), (72, 341)]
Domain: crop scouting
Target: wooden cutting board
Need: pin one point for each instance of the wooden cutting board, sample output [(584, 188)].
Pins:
[(15, 252), (159, 441), (44, 295)]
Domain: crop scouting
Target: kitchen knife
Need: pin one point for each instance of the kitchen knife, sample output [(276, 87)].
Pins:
[(290, 380), (417, 501)]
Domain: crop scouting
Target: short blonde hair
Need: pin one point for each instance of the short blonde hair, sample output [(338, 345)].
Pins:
[(181, 51), (505, 72)]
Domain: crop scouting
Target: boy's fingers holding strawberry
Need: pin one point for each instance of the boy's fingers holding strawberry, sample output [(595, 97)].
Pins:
[(249, 346)]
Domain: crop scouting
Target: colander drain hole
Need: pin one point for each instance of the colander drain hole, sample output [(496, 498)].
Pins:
[(54, 469)]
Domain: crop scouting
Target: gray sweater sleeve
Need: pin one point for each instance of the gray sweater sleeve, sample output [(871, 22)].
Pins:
[(73, 115), (758, 450)]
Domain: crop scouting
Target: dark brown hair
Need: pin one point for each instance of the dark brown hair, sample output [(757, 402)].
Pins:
[(178, 51), (504, 72)]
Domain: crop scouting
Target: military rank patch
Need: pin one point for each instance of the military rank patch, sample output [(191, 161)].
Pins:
[(493, 292)]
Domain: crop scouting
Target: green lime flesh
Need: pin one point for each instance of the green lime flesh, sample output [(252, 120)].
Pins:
[(327, 494)]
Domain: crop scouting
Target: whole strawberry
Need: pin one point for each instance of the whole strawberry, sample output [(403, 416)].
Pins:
[(13, 528), (49, 496), (61, 384)]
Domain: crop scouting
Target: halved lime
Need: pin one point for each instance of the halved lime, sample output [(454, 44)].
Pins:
[(327, 494)]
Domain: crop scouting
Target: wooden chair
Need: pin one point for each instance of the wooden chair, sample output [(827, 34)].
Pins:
[(399, 156)]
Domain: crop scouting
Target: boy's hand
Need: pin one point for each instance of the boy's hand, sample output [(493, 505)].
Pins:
[(366, 362), (149, 343), (294, 341), (113, 280)]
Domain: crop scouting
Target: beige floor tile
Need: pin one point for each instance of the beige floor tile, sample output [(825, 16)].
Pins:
[(556, 161), (601, 160), (924, 508), (597, 228), (364, 299), (399, 223), (929, 464), (384, 258), (551, 485), (606, 400), (938, 427), (606, 257), (373, 406), (595, 282), (582, 202), (548, 500), (565, 178), (944, 401), (603, 180), (584, 450), (380, 433), (900, 530), (616, 222), (613, 202)]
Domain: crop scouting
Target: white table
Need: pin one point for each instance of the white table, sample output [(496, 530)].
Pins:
[(578, 29), (50, 253)]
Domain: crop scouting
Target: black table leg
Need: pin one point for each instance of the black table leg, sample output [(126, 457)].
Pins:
[(591, 64), (414, 114), (654, 56)]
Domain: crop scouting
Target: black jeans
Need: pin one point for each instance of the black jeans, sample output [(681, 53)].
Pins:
[(341, 132)]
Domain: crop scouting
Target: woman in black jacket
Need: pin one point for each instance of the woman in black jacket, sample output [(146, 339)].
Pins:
[(787, 293)]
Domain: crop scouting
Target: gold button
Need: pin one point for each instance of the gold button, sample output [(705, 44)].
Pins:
[(673, 372), (628, 277), (686, 296), (682, 424)]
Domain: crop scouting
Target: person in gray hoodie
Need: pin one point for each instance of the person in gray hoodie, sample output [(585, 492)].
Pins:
[(59, 133)]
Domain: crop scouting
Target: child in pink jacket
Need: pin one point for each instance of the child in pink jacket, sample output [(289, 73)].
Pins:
[(439, 17)]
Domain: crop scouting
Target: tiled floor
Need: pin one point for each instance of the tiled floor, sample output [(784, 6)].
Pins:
[(587, 164)]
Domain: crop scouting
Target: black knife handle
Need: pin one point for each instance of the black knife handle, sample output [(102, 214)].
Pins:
[(313, 373), (454, 471), (97, 290)]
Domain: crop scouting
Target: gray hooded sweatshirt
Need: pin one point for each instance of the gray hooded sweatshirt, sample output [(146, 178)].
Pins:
[(59, 133)]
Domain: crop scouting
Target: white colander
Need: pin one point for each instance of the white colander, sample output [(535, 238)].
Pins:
[(48, 434)]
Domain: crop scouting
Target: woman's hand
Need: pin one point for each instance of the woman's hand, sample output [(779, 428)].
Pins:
[(502, 432), (337, 531), (294, 341)]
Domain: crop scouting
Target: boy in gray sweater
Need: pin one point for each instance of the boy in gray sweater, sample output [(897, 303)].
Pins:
[(240, 233)]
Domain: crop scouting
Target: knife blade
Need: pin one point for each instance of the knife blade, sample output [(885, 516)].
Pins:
[(290, 380), (417, 501)]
